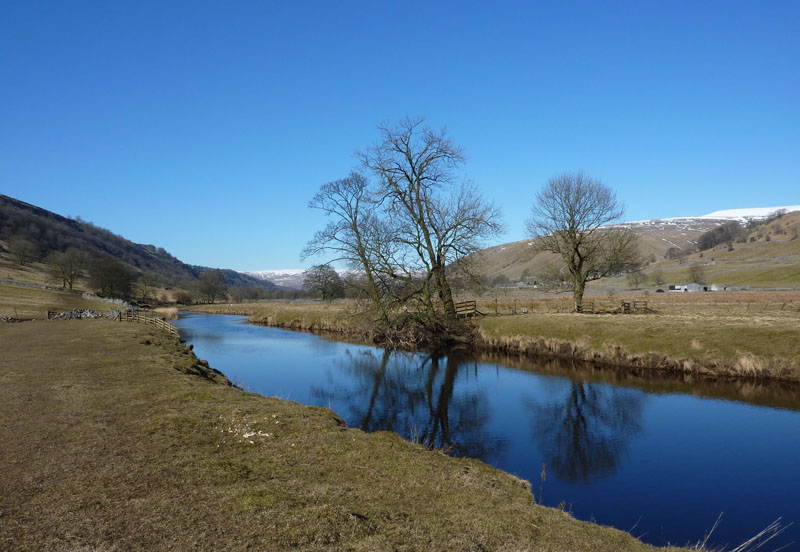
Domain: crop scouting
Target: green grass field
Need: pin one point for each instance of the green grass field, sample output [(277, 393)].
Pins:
[(110, 444)]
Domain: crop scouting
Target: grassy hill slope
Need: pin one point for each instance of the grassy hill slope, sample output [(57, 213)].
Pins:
[(656, 237), (768, 255)]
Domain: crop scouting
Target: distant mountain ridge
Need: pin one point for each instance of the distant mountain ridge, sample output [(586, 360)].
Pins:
[(50, 231)]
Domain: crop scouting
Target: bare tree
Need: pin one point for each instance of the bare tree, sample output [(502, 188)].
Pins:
[(697, 274), (212, 285), (657, 278), (436, 218), (67, 266), (570, 218), (111, 278), (635, 278), (352, 234), (145, 285), (23, 251), (325, 281)]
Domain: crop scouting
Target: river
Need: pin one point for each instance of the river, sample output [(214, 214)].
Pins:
[(661, 459)]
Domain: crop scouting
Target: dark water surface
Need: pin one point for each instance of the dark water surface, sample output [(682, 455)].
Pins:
[(661, 459)]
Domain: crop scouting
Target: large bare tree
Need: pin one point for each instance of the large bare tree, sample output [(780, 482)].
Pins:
[(437, 217), (570, 218)]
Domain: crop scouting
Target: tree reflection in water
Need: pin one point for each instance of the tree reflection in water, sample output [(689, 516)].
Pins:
[(583, 434), (416, 397)]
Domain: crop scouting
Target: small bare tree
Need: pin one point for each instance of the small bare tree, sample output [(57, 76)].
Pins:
[(352, 233), (145, 284), (23, 251), (570, 218), (697, 274), (67, 266), (635, 278)]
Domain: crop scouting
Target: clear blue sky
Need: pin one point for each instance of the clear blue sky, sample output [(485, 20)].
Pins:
[(205, 127)]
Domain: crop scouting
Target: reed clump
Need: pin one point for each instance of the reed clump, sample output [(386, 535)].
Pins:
[(167, 313)]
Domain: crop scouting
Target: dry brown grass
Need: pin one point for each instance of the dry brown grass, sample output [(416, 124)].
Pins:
[(734, 302), (167, 313), (108, 444), (26, 303), (706, 342)]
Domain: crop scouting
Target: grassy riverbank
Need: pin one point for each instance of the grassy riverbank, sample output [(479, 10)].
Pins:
[(115, 437), (745, 334)]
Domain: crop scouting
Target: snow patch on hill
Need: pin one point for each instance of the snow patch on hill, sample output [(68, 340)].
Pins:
[(289, 277)]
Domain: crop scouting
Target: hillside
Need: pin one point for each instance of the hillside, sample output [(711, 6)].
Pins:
[(767, 255), (48, 232)]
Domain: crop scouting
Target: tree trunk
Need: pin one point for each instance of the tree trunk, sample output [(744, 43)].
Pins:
[(577, 293), (445, 293), (374, 292)]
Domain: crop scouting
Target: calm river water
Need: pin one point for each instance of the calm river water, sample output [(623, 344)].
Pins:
[(661, 459)]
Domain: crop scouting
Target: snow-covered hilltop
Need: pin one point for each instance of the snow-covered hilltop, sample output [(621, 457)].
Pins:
[(285, 277), (750, 213), (742, 215)]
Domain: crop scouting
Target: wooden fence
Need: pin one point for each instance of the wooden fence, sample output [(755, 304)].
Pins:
[(131, 316), (467, 308), (629, 307)]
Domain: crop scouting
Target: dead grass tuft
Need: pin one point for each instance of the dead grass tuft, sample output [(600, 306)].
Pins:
[(748, 365)]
